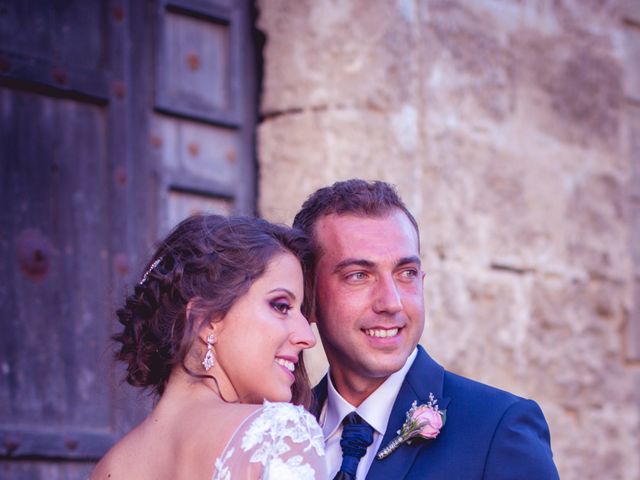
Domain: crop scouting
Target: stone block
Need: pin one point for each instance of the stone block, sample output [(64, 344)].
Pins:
[(632, 61), (570, 87), (300, 153), (317, 56), (471, 67)]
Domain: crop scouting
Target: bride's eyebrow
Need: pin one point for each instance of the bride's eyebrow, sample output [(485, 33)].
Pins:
[(283, 290)]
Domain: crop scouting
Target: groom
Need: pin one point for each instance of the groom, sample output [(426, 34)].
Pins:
[(369, 309)]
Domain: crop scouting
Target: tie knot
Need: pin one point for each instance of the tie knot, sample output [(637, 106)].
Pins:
[(352, 418)]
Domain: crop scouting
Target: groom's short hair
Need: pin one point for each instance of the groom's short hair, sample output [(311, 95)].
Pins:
[(350, 197)]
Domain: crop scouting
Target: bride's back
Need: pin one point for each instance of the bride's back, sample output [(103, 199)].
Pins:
[(181, 438)]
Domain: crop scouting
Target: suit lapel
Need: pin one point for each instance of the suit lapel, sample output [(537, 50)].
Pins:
[(424, 377), (319, 397)]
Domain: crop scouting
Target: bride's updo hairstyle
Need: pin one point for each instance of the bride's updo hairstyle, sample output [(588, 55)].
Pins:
[(211, 261)]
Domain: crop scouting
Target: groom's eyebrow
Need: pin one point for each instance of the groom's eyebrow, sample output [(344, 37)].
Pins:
[(350, 262), (407, 260), (361, 262)]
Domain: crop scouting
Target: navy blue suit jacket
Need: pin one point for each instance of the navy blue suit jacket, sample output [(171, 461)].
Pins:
[(489, 434)]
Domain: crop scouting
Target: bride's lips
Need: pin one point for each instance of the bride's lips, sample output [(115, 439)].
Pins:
[(287, 363)]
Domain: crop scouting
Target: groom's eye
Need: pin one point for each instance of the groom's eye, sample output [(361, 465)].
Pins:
[(409, 273), (356, 276)]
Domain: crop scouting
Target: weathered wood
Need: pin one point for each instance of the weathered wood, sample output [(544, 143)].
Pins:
[(72, 444), (39, 46), (197, 71), (91, 175), (44, 470)]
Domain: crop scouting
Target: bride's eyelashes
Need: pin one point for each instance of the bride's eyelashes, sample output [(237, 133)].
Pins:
[(281, 306)]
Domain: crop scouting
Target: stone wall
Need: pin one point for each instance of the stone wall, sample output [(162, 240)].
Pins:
[(511, 129)]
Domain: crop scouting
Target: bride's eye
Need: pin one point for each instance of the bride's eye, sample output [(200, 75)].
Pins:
[(281, 306)]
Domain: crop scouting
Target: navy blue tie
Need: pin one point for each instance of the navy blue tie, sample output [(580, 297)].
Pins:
[(357, 435)]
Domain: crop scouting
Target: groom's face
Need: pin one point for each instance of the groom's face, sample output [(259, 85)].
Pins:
[(369, 295)]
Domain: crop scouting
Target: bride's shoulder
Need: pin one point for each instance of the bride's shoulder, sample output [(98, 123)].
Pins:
[(278, 440), (286, 417), (280, 422)]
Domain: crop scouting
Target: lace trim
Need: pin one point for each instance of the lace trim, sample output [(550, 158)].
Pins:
[(267, 437)]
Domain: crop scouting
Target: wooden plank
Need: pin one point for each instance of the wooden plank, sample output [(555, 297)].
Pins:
[(197, 69), (245, 87), (202, 152), (133, 182), (206, 9), (52, 79), (53, 154), (44, 470), (53, 45), (76, 444), (182, 204)]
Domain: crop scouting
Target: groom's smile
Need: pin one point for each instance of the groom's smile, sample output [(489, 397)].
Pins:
[(370, 297), (382, 332)]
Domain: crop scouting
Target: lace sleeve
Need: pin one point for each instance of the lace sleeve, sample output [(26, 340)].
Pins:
[(280, 441)]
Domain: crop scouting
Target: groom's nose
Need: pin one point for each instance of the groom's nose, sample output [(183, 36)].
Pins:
[(387, 297)]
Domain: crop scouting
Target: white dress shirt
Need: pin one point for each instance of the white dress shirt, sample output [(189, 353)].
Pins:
[(375, 410)]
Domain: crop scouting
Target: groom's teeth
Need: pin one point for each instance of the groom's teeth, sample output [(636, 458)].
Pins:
[(382, 333), (286, 363)]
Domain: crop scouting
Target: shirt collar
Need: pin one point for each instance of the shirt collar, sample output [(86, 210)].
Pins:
[(375, 409)]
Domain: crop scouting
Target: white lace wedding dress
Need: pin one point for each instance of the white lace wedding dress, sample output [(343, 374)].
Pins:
[(279, 441)]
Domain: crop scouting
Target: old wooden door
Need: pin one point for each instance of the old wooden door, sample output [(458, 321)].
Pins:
[(117, 119)]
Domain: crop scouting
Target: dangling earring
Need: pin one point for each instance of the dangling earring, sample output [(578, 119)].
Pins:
[(209, 361)]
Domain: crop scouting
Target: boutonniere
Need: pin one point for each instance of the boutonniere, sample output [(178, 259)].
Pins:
[(423, 421)]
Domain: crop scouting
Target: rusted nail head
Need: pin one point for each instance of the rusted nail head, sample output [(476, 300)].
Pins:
[(118, 13), (119, 88), (60, 76), (193, 60), (121, 263), (120, 176), (33, 252), (194, 149), (71, 443), (11, 444)]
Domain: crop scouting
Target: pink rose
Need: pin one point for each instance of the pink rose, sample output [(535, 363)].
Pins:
[(429, 420), (424, 421)]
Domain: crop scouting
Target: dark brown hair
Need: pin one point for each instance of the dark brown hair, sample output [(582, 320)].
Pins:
[(211, 261), (355, 197)]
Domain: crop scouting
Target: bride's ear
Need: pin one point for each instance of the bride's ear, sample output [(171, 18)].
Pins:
[(201, 328)]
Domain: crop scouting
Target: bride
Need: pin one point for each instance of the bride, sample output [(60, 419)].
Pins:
[(215, 330)]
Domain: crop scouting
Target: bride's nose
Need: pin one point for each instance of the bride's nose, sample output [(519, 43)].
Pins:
[(302, 335)]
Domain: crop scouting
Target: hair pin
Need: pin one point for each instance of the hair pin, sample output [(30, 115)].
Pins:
[(146, 274)]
